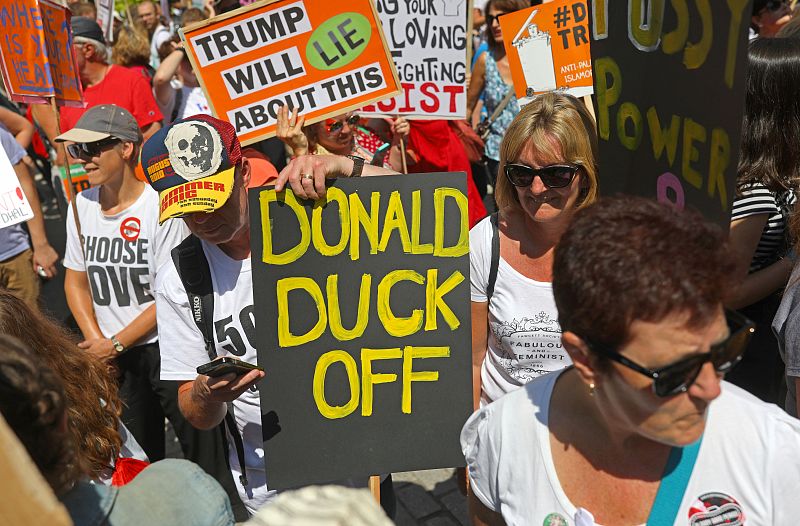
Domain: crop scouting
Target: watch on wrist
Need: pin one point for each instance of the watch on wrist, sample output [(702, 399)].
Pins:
[(117, 345), (358, 165)]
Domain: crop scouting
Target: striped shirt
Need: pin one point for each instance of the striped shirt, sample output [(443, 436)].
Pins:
[(757, 199)]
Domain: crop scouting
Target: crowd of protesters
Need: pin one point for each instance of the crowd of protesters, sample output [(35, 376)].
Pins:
[(601, 327)]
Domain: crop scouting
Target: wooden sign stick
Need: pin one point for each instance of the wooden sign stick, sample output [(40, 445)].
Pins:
[(66, 168), (375, 487)]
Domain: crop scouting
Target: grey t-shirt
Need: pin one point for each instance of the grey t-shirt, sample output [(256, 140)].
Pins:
[(13, 239), (786, 326)]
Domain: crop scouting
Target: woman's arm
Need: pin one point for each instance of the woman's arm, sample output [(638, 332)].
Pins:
[(480, 323), (20, 128), (480, 515), (744, 237), (476, 83), (162, 88)]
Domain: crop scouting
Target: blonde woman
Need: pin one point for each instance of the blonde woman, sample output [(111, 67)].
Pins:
[(548, 170)]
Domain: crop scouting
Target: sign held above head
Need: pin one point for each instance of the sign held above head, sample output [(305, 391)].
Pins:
[(306, 55)]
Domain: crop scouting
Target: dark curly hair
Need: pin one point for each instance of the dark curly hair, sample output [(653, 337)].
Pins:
[(93, 424), (33, 403), (629, 258)]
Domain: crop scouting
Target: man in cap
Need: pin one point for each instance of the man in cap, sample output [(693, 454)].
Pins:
[(108, 281), (198, 169), (103, 83)]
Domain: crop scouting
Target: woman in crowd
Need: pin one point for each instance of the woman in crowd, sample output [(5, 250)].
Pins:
[(175, 85), (132, 50), (341, 135), (769, 16), (548, 170), (491, 77), (642, 414), (769, 171), (94, 406), (33, 402)]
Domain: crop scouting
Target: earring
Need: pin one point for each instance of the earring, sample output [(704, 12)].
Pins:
[(591, 389)]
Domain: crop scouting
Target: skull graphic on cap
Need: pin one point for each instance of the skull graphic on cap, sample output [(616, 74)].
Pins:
[(195, 149)]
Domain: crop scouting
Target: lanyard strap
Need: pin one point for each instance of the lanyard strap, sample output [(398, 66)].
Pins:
[(673, 484)]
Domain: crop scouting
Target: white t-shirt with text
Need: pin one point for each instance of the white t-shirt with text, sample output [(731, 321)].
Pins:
[(123, 252), (524, 336), (183, 349), (747, 466)]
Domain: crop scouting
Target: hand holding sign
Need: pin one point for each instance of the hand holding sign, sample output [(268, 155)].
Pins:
[(306, 174)]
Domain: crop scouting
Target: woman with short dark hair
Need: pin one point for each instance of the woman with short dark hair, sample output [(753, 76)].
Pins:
[(641, 429)]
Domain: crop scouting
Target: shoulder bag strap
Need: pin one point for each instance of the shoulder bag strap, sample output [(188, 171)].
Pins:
[(495, 262), (680, 465), (500, 107)]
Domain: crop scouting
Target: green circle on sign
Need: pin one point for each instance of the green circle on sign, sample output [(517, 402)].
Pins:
[(555, 519), (338, 41)]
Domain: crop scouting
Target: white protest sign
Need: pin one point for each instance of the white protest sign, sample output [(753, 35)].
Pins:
[(428, 42), (14, 206), (105, 18)]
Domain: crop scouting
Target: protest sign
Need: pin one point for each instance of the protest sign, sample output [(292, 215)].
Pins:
[(428, 41), (548, 49), (14, 206), (363, 326), (669, 86), (323, 58), (37, 57), (80, 181), (105, 18)]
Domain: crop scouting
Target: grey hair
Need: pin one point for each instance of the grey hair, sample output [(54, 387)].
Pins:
[(99, 47)]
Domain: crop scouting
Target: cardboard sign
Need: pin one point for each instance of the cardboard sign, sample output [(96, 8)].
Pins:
[(80, 181), (14, 206), (37, 56), (669, 91), (363, 326), (105, 18), (428, 41), (324, 58), (548, 49)]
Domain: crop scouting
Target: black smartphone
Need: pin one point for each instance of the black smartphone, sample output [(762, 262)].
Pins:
[(226, 365)]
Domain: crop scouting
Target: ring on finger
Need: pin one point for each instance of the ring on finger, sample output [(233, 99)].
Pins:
[(308, 177)]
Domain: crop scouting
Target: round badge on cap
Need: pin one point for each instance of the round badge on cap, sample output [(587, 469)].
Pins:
[(195, 149)]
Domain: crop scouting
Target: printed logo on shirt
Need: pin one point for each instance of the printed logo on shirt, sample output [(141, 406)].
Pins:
[(555, 519), (530, 347), (118, 270), (714, 509), (130, 228)]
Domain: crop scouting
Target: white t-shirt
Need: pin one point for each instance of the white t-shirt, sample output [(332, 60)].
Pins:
[(747, 465), (123, 252), (524, 337), (192, 102), (183, 349)]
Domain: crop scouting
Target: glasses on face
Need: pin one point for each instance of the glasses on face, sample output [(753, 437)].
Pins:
[(553, 176), (679, 376), (333, 126), (89, 150), (491, 19), (773, 6)]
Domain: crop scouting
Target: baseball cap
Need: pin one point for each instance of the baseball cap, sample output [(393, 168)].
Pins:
[(191, 164), (87, 28), (102, 122)]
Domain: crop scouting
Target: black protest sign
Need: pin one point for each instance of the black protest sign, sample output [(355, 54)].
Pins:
[(363, 327), (669, 85)]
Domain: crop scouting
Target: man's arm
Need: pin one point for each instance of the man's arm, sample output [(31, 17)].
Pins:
[(203, 400), (43, 115), (18, 126), (480, 515), (320, 167), (44, 255)]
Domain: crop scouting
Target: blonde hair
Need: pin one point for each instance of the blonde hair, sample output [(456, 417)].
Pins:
[(551, 120), (132, 48)]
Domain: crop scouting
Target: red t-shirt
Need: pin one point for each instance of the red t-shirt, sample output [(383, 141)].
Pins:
[(123, 87)]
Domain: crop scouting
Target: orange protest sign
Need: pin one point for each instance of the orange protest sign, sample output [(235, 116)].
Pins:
[(548, 49), (323, 58), (37, 56)]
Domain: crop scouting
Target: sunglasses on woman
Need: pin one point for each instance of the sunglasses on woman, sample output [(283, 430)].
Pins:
[(332, 126), (773, 6), (89, 150), (679, 376), (553, 176), (490, 19)]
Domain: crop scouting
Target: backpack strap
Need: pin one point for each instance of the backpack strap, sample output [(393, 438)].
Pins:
[(495, 263), (192, 265)]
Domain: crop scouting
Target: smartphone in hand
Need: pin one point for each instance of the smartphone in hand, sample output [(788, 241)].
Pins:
[(226, 365)]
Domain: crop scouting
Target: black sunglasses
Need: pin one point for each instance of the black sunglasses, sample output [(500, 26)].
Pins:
[(89, 150), (491, 18), (554, 176), (773, 6), (677, 377)]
